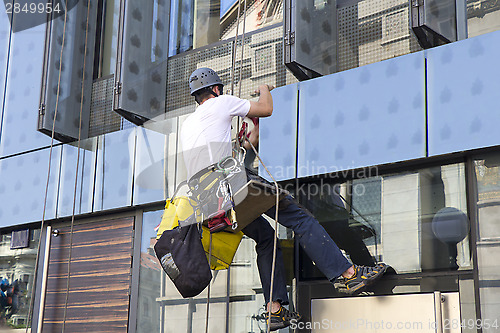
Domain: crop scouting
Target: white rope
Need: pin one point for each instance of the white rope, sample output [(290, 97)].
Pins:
[(76, 173), (275, 235), (209, 284), (235, 43), (42, 225), (242, 46)]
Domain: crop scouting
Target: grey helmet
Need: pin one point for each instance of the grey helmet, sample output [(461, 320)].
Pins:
[(203, 78)]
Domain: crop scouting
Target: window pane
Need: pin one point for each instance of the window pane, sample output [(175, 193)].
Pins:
[(482, 17), (17, 269), (197, 23), (150, 277), (114, 173), (109, 45), (22, 92), (154, 172), (23, 179), (181, 26), (5, 36), (415, 222), (85, 184), (487, 182)]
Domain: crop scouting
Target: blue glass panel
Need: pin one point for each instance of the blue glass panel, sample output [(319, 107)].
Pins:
[(155, 152), (114, 173), (181, 26), (4, 51), (23, 179), (366, 116), (23, 93), (85, 178), (463, 90), (278, 135)]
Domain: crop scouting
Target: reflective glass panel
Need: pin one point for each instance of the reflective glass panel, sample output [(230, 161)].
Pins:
[(70, 71), (155, 161), (4, 51), (114, 172), (151, 278), (482, 17), (144, 55), (111, 21), (414, 221), (18, 251), (487, 196), (84, 175), (23, 179), (197, 23), (315, 26), (22, 92)]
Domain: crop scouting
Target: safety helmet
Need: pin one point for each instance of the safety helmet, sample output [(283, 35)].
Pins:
[(203, 78)]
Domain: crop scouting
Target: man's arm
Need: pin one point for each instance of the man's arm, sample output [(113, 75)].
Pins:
[(264, 106)]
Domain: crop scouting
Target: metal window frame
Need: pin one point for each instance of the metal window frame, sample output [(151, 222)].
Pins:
[(427, 37)]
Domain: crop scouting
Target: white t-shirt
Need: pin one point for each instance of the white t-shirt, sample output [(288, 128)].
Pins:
[(206, 133)]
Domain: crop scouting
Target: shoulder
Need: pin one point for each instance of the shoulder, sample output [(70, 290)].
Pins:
[(228, 99)]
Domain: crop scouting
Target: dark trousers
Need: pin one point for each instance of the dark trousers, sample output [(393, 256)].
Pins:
[(313, 238)]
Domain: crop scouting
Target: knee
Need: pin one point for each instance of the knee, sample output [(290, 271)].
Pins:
[(266, 244)]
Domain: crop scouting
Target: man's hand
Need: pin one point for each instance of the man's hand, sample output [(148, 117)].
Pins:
[(264, 106), (265, 87)]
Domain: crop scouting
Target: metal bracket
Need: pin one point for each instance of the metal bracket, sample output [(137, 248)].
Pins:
[(41, 110), (289, 38), (118, 88)]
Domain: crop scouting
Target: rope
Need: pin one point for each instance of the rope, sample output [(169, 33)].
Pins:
[(77, 165), (42, 225), (275, 244), (235, 43), (242, 46), (208, 291)]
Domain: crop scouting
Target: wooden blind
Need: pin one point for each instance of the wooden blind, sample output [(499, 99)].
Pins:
[(100, 276)]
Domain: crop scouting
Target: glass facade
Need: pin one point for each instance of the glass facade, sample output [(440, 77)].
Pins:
[(236, 299), (486, 197), (416, 221), (17, 267)]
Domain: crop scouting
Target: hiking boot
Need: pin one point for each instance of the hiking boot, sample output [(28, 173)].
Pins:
[(363, 276), (282, 318)]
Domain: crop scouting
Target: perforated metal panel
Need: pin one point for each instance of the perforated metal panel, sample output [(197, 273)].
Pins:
[(372, 31), (102, 117), (262, 63), (348, 54)]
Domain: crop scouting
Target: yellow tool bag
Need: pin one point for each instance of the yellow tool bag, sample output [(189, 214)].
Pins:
[(224, 244)]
